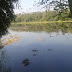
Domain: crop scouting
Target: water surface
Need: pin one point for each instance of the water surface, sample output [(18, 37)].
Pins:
[(48, 49)]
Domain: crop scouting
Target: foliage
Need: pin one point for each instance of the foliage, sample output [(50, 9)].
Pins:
[(6, 14), (42, 16), (59, 5)]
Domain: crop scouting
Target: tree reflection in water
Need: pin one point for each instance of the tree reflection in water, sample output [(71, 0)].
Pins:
[(56, 27), (48, 27), (3, 56), (4, 67)]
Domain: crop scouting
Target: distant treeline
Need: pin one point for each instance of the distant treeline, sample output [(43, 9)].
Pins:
[(43, 16)]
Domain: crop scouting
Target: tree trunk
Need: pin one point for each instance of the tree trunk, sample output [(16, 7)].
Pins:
[(70, 5)]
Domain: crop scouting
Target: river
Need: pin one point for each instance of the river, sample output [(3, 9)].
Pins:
[(37, 48)]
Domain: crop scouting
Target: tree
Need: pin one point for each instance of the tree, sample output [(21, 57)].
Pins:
[(70, 5), (6, 14), (58, 5)]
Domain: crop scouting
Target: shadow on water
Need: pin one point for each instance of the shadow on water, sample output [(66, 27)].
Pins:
[(3, 56), (3, 31), (4, 66)]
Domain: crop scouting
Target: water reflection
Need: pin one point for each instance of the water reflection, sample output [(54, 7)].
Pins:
[(48, 27), (34, 52), (4, 62), (5, 65), (1, 46), (9, 40), (3, 31), (37, 48)]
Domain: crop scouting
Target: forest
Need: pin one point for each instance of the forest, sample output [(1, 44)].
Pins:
[(43, 16)]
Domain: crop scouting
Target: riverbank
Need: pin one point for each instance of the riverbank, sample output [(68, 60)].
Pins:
[(40, 22)]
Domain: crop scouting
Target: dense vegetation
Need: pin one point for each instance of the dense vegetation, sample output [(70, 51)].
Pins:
[(63, 12), (58, 5), (6, 14), (43, 16)]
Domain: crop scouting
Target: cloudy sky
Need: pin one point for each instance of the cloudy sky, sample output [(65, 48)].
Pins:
[(27, 6)]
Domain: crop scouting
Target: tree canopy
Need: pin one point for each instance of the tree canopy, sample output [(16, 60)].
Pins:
[(6, 14), (58, 5), (43, 16)]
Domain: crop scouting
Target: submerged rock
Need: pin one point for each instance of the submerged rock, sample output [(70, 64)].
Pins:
[(35, 50), (50, 49), (34, 54), (25, 62)]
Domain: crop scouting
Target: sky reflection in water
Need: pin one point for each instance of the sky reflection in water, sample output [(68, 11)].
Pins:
[(37, 52)]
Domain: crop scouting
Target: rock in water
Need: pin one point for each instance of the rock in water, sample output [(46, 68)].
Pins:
[(25, 62)]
